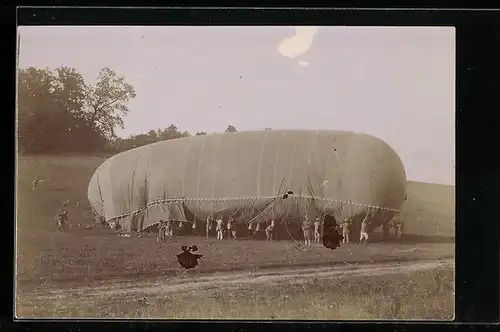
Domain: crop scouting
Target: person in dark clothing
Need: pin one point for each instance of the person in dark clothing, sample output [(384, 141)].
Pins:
[(331, 235), (187, 259)]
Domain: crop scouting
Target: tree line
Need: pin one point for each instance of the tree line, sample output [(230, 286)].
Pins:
[(152, 136), (58, 112)]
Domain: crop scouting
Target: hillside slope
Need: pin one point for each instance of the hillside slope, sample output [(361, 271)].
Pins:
[(430, 209)]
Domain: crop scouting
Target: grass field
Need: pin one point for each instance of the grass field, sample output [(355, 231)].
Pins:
[(422, 295), (45, 256)]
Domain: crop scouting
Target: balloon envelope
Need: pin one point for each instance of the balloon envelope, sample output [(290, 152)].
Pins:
[(248, 175)]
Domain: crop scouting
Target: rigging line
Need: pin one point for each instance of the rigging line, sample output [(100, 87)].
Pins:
[(185, 165), (281, 185), (101, 201), (287, 218), (259, 165), (276, 199), (262, 213), (177, 200), (308, 164), (131, 186), (290, 170), (311, 192), (276, 160), (215, 168), (200, 159)]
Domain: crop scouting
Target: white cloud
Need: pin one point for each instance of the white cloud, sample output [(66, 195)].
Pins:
[(303, 63), (292, 47)]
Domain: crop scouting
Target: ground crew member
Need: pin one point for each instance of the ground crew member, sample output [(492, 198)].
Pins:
[(401, 229), (169, 229), (398, 227), (307, 229), (250, 229), (113, 225), (257, 229), (363, 235), (270, 230), (193, 227), (208, 225), (160, 238), (62, 220), (345, 231), (317, 230), (230, 229), (219, 228), (331, 235)]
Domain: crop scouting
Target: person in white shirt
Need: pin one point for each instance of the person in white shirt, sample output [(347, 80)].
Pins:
[(231, 232), (208, 225), (317, 230), (363, 235), (169, 229), (219, 229), (270, 230), (307, 229)]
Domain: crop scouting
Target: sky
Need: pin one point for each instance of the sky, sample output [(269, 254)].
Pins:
[(396, 83)]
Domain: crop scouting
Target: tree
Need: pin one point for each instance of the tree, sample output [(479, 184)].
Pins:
[(69, 90), (268, 129), (107, 102), (49, 112), (152, 136), (172, 132), (230, 129), (201, 133)]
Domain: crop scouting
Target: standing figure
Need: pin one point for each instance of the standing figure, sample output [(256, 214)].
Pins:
[(62, 220), (345, 231), (307, 229), (398, 226), (391, 231), (193, 227), (187, 259), (169, 229), (331, 234), (317, 230), (256, 230), (113, 225), (230, 228), (363, 235), (401, 229), (219, 229), (250, 229), (208, 225), (270, 230), (160, 237)]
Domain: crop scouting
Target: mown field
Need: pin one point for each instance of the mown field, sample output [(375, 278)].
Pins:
[(45, 256)]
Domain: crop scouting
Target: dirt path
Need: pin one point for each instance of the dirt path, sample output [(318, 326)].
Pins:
[(162, 286)]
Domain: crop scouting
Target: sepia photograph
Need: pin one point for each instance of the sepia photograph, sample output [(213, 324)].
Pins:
[(235, 172)]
